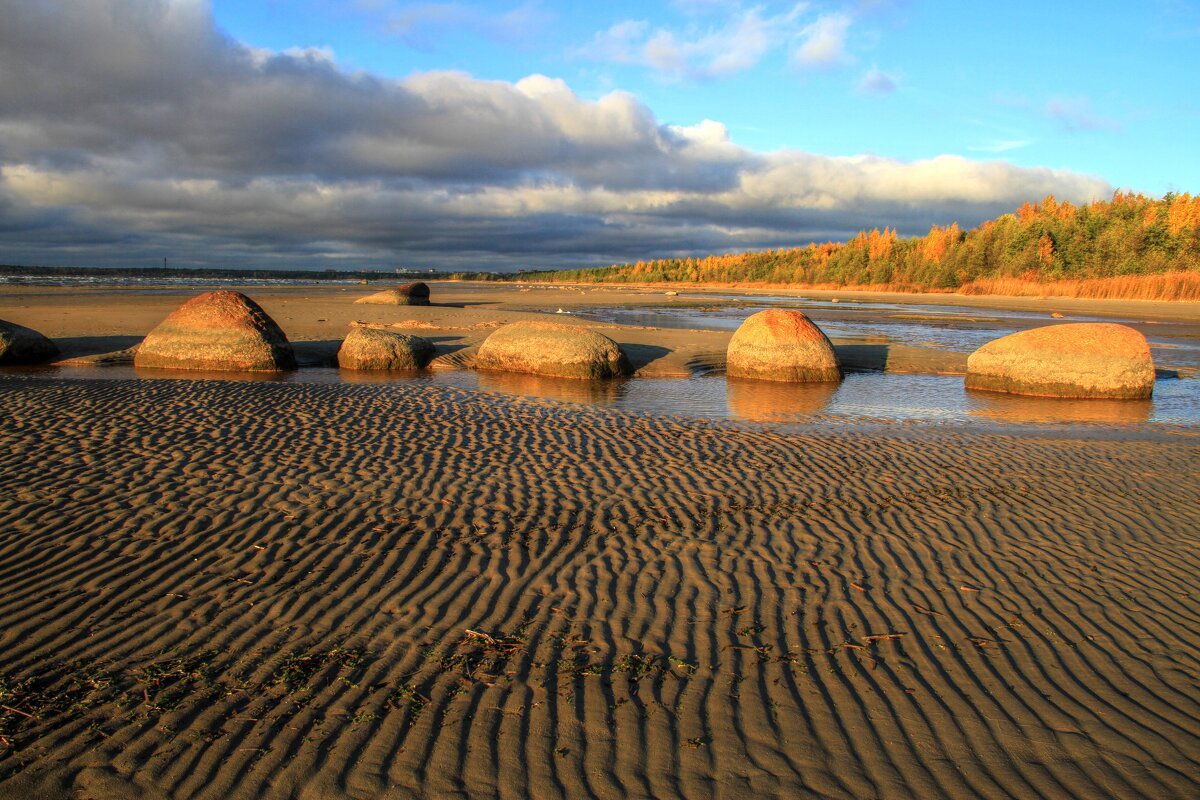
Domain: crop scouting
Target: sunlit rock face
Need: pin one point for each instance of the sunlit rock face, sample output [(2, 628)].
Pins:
[(781, 345), (546, 348), (1087, 359), (372, 349), (218, 331)]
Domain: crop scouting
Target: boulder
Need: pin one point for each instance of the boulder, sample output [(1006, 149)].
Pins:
[(220, 331), (374, 349), (21, 345), (547, 348), (410, 294), (1084, 359), (781, 345)]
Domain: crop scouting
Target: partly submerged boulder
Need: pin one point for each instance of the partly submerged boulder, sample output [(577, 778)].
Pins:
[(21, 345), (547, 348), (781, 345), (373, 349), (1085, 359), (410, 294), (220, 331)]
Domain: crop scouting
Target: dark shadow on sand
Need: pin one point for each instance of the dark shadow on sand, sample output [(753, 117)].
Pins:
[(641, 355), (862, 357), (79, 346)]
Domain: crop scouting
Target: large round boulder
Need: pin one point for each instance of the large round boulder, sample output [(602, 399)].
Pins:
[(1085, 359), (781, 345), (220, 331), (547, 348), (410, 294), (374, 349), (21, 345)]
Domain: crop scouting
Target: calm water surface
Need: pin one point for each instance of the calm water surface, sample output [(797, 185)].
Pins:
[(875, 397)]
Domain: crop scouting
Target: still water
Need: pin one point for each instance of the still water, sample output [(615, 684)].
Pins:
[(860, 397)]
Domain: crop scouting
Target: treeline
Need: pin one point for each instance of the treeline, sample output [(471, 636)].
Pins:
[(1115, 241)]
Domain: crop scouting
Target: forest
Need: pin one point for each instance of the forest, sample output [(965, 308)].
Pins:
[(1131, 246)]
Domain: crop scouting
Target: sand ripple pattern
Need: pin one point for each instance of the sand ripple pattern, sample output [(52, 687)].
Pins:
[(216, 589)]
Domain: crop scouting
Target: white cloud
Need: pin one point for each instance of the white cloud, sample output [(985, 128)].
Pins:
[(823, 42), (875, 81), (127, 135), (738, 43)]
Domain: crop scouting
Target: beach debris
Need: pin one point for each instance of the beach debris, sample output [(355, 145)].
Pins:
[(781, 345), (18, 711), (21, 345), (552, 349), (882, 637), (374, 349), (408, 294), (928, 611), (218, 331), (1082, 360), (478, 635)]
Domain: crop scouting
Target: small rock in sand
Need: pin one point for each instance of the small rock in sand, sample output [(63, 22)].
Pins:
[(410, 294)]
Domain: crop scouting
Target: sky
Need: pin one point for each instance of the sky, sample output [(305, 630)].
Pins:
[(330, 134)]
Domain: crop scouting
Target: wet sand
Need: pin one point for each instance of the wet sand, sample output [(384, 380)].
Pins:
[(231, 589), (237, 589)]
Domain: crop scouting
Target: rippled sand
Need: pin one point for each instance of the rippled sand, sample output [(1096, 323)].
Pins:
[(216, 589)]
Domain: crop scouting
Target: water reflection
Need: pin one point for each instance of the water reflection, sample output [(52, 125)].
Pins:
[(862, 396), (1015, 408), (772, 401), (563, 390), (202, 374), (378, 375)]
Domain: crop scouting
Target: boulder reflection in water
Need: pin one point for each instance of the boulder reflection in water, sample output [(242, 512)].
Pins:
[(564, 390), (768, 401), (156, 373), (1015, 408), (379, 375)]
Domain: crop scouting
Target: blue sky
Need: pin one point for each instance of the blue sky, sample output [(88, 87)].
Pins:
[(501, 136)]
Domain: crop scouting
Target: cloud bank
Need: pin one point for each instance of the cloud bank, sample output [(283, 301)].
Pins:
[(131, 130)]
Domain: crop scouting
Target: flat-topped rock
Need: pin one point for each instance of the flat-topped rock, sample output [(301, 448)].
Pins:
[(21, 345), (547, 348), (409, 294), (375, 349), (220, 331), (1084, 359), (781, 345)]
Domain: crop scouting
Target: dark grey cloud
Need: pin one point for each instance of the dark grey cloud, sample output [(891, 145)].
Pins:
[(134, 129)]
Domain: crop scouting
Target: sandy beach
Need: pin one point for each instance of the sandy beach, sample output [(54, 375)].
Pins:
[(237, 589)]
